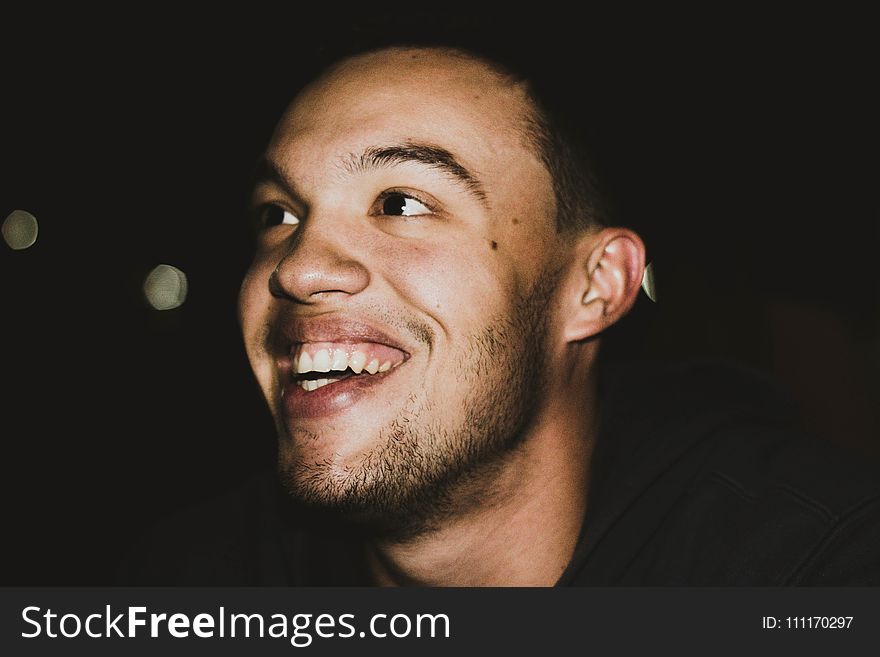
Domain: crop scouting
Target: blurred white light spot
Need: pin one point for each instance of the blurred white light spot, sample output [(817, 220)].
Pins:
[(20, 230), (648, 284), (165, 287)]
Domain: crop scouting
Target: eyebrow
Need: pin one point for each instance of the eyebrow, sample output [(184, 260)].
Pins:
[(378, 157), (435, 157)]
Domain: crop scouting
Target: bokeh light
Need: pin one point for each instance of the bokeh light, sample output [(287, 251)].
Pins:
[(20, 230), (165, 287), (648, 284)]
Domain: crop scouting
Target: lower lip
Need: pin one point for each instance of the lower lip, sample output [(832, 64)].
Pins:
[(331, 398)]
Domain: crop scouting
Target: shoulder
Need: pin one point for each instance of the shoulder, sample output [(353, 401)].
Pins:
[(707, 481), (805, 509)]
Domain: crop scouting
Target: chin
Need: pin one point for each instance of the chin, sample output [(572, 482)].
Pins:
[(334, 449)]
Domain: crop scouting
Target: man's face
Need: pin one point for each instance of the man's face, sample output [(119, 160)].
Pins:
[(396, 312)]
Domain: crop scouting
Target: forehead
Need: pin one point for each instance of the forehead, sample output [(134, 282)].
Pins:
[(427, 95)]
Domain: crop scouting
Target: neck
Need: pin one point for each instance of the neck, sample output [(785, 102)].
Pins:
[(527, 531)]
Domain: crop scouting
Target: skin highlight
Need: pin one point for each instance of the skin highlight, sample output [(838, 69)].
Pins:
[(468, 464)]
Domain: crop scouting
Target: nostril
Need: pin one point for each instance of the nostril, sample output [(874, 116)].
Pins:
[(275, 287)]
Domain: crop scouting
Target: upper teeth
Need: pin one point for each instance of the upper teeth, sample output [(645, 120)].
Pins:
[(327, 360)]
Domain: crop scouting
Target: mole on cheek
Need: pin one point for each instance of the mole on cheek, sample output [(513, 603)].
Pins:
[(515, 220), (494, 245)]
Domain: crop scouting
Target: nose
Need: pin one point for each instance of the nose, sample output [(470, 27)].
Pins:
[(320, 265)]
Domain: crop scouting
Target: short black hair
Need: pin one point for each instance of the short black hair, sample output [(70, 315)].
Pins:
[(556, 125)]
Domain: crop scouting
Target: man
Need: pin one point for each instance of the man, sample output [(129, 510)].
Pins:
[(424, 243), (423, 315)]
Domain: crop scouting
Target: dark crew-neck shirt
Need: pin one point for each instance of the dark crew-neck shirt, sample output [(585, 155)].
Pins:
[(699, 478)]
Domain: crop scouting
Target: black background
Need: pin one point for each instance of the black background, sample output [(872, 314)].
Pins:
[(743, 147)]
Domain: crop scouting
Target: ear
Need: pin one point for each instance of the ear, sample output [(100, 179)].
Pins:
[(605, 280)]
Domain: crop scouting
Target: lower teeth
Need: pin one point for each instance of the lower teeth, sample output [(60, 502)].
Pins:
[(314, 385)]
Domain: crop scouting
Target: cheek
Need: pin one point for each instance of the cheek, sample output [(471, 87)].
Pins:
[(454, 285), (253, 303)]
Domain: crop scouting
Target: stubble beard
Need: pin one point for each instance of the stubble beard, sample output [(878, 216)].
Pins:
[(424, 470)]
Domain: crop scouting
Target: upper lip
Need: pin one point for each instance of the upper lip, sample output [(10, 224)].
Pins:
[(336, 329)]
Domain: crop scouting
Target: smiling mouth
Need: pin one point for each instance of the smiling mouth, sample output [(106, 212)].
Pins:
[(315, 365)]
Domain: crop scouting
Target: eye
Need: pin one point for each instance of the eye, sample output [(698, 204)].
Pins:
[(396, 204), (273, 215)]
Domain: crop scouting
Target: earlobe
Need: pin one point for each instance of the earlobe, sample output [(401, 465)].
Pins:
[(609, 271)]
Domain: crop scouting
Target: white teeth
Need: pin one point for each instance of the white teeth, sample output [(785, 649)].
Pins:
[(314, 385), (336, 360), (340, 360), (357, 361), (321, 361), (304, 364)]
